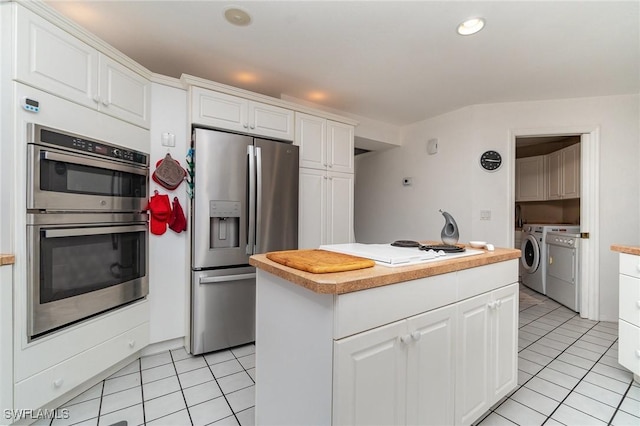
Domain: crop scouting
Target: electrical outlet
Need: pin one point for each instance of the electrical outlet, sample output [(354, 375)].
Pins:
[(485, 214)]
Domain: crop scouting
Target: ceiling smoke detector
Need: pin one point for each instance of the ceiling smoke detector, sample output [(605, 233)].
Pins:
[(237, 17), (471, 26)]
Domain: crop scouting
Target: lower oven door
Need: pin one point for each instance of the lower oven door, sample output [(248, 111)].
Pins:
[(77, 270)]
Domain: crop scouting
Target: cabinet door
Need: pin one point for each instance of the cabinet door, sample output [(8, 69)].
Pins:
[(430, 369), (530, 179), (554, 167), (270, 121), (472, 363), (571, 171), (124, 93), (370, 377), (311, 134), (219, 110), (504, 341), (340, 147), (52, 60), (339, 208), (312, 208)]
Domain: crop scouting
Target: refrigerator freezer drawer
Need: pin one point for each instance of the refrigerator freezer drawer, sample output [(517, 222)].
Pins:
[(222, 309)]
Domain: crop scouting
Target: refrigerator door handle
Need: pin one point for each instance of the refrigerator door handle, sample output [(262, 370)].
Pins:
[(226, 278), (258, 198), (251, 226)]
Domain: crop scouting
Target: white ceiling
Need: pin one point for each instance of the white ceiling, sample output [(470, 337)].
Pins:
[(392, 61)]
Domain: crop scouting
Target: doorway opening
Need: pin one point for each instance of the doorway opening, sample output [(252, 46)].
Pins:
[(565, 191)]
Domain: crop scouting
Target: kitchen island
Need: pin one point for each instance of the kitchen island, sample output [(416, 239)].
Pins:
[(431, 343)]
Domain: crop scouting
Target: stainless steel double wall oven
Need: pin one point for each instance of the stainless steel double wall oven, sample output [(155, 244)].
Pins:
[(87, 237)]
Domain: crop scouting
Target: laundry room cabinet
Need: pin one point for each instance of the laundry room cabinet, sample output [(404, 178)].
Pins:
[(53, 60), (530, 178), (563, 173), (224, 111)]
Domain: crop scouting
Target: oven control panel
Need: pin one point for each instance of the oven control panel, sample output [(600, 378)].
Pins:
[(82, 144)]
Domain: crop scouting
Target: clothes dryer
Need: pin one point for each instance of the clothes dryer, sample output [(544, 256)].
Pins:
[(534, 253)]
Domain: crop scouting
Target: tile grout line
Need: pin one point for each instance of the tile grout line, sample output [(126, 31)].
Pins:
[(613, 416), (184, 398), (144, 414), (224, 395)]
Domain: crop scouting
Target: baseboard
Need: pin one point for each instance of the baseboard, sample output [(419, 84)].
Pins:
[(164, 346)]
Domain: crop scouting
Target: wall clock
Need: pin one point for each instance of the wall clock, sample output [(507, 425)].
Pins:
[(491, 160)]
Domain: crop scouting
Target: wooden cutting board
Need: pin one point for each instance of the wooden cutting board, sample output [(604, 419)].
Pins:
[(319, 261)]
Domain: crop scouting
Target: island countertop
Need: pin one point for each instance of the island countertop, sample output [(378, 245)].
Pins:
[(377, 276), (635, 250)]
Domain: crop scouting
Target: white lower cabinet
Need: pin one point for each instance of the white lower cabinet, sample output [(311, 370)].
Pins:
[(443, 367), (325, 213), (399, 373), (629, 311), (486, 365)]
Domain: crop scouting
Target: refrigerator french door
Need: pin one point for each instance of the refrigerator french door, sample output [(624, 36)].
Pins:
[(245, 202)]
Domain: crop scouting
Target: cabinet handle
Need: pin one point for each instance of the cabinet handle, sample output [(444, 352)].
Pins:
[(638, 353), (105, 102), (324, 177), (245, 125), (252, 127), (638, 304), (498, 303), (416, 335), (330, 165), (96, 99), (132, 343), (325, 164), (58, 383), (330, 177), (491, 305), (405, 339)]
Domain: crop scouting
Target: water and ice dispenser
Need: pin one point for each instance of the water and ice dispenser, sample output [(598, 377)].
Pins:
[(224, 227)]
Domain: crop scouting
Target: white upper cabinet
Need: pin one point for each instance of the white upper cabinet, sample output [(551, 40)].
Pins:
[(530, 178), (55, 61), (340, 144), (229, 112), (324, 144), (564, 173)]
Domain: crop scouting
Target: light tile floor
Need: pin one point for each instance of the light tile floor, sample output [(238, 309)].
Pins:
[(172, 388), (568, 371), (567, 374)]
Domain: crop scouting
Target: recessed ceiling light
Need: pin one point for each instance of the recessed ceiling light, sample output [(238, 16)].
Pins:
[(471, 26), (237, 17)]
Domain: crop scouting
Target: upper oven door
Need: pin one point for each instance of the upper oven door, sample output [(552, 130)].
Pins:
[(58, 180)]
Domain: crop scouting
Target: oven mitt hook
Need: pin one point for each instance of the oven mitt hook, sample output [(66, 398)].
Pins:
[(169, 173)]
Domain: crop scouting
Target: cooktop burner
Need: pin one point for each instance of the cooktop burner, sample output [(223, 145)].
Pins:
[(405, 243), (444, 247)]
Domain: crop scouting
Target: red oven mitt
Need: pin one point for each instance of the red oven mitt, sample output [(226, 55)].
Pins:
[(160, 212), (177, 221)]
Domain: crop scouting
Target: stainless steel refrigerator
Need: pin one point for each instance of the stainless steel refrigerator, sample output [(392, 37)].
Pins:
[(245, 202)]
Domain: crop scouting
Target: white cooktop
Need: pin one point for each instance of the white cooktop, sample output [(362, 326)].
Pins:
[(388, 255)]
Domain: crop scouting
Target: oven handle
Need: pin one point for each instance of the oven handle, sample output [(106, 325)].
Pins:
[(75, 232), (73, 159)]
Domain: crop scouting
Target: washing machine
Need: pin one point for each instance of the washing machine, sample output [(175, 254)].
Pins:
[(534, 253)]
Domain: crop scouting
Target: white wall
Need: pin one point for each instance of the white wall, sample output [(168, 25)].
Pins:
[(168, 253), (453, 181)]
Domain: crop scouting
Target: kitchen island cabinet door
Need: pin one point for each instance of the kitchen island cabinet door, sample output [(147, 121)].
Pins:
[(370, 371), (430, 370), (472, 364), (504, 343)]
